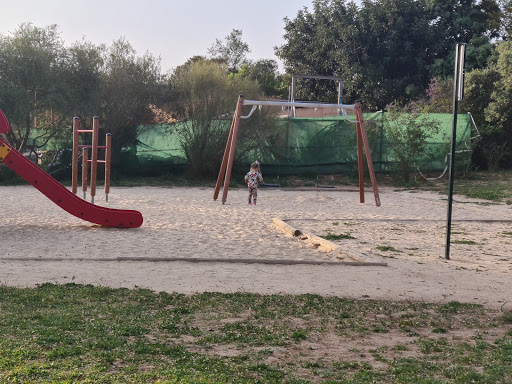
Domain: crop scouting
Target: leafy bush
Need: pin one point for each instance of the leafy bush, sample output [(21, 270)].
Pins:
[(207, 98), (407, 134)]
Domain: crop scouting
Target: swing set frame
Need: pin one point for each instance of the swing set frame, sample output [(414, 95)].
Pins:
[(226, 167)]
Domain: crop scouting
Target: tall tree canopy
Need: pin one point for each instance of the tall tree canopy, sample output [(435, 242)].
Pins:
[(45, 84), (31, 64), (232, 51), (129, 84), (386, 49), (207, 93)]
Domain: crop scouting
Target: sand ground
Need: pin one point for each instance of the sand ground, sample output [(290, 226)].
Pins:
[(41, 244)]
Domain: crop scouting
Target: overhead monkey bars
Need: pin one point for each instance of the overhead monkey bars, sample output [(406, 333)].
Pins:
[(362, 140)]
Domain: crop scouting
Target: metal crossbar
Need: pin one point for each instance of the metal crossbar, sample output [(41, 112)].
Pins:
[(300, 104)]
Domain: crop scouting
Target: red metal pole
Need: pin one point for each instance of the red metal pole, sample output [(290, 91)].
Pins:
[(74, 161), (94, 155), (232, 147)]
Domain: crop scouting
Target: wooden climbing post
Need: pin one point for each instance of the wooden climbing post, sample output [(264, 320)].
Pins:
[(93, 158), (94, 155), (85, 170), (108, 161), (74, 161)]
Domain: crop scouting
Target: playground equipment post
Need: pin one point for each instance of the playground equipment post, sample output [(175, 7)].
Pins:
[(94, 158)]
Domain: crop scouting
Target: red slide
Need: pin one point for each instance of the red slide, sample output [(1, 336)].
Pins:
[(59, 194)]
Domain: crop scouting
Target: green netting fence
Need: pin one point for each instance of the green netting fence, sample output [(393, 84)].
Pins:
[(305, 145)]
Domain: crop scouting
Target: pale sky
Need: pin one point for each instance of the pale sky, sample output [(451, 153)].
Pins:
[(174, 30)]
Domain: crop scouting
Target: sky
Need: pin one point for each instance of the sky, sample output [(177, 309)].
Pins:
[(173, 30)]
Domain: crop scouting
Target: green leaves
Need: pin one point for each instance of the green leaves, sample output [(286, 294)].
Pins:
[(385, 50)]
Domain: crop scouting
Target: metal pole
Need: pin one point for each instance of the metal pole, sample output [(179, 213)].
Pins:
[(294, 87), (452, 155), (340, 93), (306, 104)]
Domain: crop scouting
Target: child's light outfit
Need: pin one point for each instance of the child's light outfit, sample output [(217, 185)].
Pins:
[(251, 178)]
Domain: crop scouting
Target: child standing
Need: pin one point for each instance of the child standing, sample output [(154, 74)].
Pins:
[(251, 178)]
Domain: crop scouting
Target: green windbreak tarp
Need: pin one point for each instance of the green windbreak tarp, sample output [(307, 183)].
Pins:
[(299, 145), (319, 145)]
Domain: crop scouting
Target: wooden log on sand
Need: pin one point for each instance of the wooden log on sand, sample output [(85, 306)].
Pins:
[(286, 227)]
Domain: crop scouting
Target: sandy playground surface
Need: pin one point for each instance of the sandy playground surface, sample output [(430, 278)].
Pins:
[(42, 243)]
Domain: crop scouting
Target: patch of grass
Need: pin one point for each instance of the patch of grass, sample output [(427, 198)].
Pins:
[(491, 186), (333, 237), (72, 333), (385, 248), (507, 317), (468, 242), (485, 192)]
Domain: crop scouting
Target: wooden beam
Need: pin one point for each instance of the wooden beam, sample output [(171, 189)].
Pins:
[(202, 260), (74, 161), (94, 155), (360, 159), (362, 130), (232, 147), (286, 227), (224, 163)]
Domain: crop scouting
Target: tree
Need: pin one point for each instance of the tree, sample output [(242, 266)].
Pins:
[(45, 84), (438, 98), (323, 42), (82, 76), (207, 96), (265, 72), (385, 49), (407, 135), (453, 21), (32, 93), (129, 84), (232, 50), (488, 95), (506, 19)]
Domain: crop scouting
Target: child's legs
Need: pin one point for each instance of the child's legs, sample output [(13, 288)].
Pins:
[(251, 191), (255, 194)]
